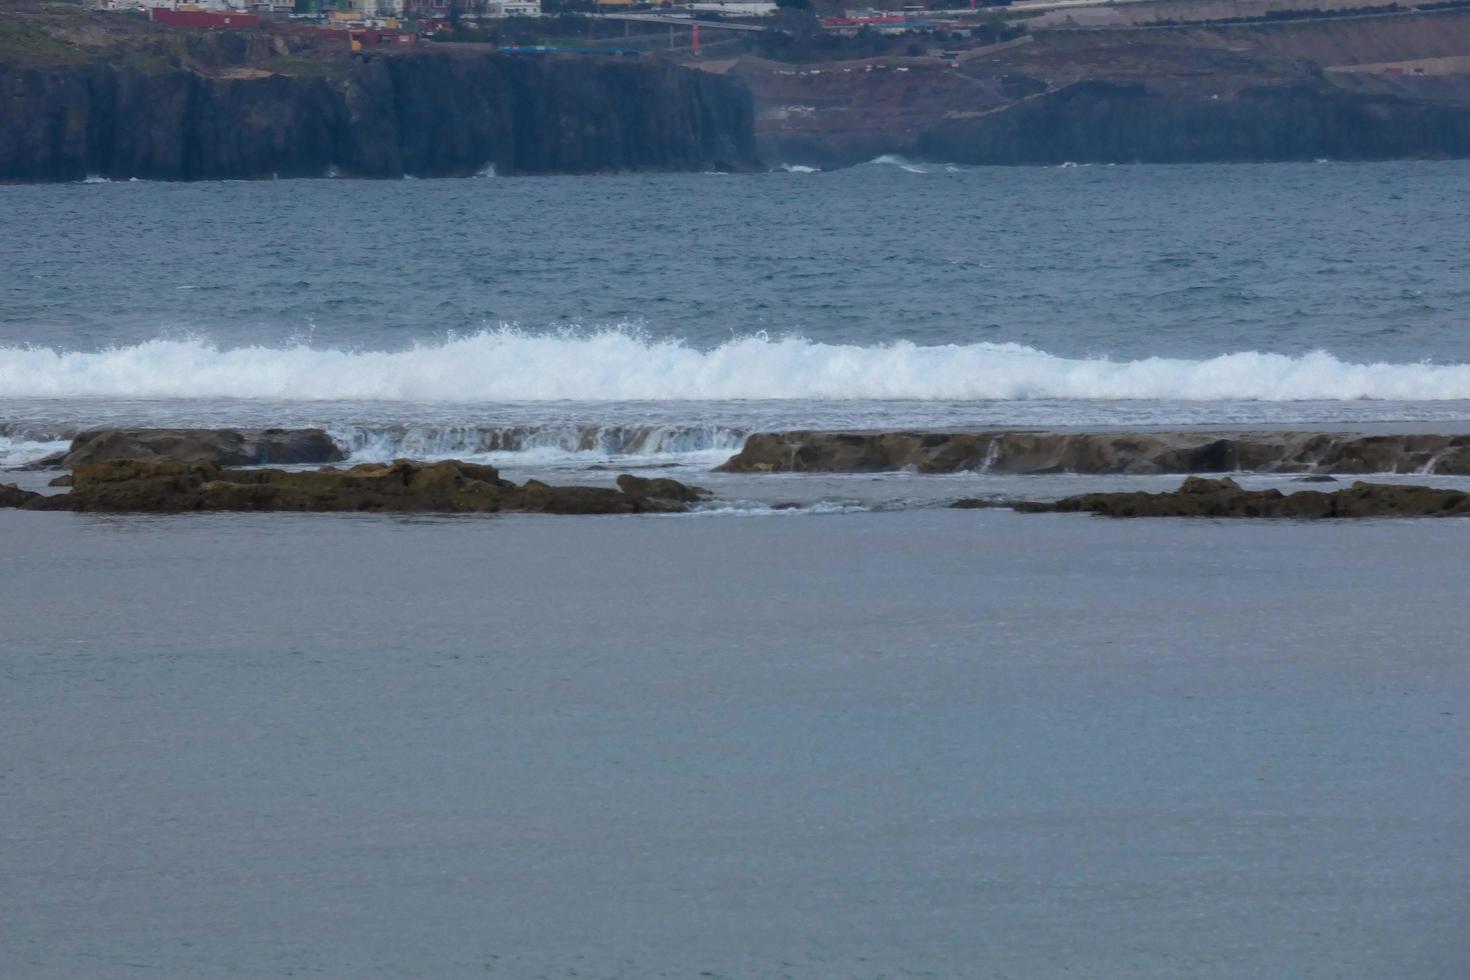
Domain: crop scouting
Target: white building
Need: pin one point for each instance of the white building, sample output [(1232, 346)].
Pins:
[(376, 8), (734, 8)]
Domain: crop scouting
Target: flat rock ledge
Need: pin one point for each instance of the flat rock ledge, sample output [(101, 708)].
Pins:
[(1100, 452), (403, 486), (1200, 497), (227, 447)]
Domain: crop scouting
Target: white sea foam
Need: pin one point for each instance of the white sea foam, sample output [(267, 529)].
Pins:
[(541, 443), (890, 160), (19, 452), (752, 508), (507, 365), (797, 168)]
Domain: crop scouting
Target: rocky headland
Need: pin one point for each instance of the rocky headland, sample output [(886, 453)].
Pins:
[(111, 95), (1136, 453), (1199, 497), (403, 486)]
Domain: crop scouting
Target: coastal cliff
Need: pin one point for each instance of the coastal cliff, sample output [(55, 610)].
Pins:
[(1365, 88), (1109, 122), (422, 113)]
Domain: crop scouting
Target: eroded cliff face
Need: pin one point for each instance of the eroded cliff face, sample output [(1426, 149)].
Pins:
[(424, 114), (1344, 90), (1109, 122)]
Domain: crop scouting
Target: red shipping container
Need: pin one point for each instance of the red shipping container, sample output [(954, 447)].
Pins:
[(206, 19)]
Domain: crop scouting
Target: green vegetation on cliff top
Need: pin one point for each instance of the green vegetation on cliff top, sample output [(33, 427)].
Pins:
[(27, 44)]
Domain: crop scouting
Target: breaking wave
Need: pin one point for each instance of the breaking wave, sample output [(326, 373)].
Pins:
[(19, 452), (902, 163), (507, 365)]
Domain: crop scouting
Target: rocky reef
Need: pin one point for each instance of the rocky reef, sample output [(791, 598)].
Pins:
[(227, 447), (420, 113), (1199, 497), (1100, 452), (403, 486)]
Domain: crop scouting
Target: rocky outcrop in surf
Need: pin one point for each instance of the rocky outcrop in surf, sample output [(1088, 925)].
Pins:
[(1199, 497), (1100, 452), (227, 447), (403, 486), (429, 113)]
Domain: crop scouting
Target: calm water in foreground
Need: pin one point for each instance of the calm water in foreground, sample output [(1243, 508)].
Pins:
[(916, 744)]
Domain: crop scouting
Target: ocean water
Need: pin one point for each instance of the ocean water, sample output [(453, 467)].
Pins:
[(884, 745), (664, 314), (866, 737)]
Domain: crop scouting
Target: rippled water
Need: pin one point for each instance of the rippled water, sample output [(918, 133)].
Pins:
[(1363, 260), (875, 296)]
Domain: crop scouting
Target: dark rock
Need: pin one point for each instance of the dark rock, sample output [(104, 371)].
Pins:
[(1315, 478), (13, 496), (1302, 118), (1148, 94), (973, 503), (1100, 452), (52, 462), (1199, 497), (171, 486), (64, 480), (661, 488), (227, 447), (540, 498), (1219, 456)]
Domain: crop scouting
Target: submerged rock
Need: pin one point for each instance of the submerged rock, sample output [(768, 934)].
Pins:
[(1200, 497), (450, 487), (1100, 452), (227, 447)]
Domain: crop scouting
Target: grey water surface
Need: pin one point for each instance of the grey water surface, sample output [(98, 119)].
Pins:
[(917, 744)]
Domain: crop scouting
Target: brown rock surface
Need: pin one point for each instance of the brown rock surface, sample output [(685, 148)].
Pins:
[(660, 488), (171, 486), (1101, 452), (227, 447), (13, 496), (1199, 497)]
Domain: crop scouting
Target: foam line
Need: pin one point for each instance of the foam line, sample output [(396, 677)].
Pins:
[(508, 365)]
